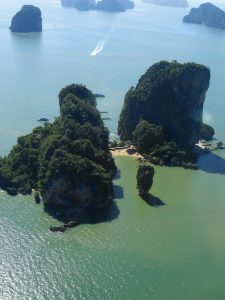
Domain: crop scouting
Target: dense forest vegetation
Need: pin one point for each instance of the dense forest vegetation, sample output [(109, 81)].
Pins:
[(163, 114), (66, 159)]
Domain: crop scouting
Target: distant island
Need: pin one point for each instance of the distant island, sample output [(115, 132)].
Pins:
[(162, 116), (68, 161), (102, 5), (172, 3), (43, 120), (28, 19), (207, 14), (83, 5)]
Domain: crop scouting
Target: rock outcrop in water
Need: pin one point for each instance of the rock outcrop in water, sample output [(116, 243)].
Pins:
[(145, 176), (68, 161), (163, 113), (83, 5), (28, 19), (207, 14), (174, 3)]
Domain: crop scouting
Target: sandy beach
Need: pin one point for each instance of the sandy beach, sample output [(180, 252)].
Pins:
[(123, 152)]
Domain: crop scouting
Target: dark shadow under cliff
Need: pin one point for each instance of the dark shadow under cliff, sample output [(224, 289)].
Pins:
[(212, 163), (118, 175), (153, 201), (85, 216), (118, 191)]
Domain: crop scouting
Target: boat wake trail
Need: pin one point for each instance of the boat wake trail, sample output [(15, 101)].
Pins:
[(100, 46)]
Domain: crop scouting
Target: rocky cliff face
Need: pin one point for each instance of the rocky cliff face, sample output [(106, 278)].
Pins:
[(207, 14), (28, 19), (61, 192), (171, 95)]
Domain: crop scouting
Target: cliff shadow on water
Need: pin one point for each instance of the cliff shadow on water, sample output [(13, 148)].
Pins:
[(118, 190), (85, 216), (153, 201), (212, 163)]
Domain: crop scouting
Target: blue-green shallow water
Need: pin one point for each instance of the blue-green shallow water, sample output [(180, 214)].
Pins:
[(175, 251)]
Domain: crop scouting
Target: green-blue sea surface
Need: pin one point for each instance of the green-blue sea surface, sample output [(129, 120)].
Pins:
[(173, 251)]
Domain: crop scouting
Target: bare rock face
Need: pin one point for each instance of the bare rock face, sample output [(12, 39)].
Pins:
[(171, 95), (62, 192), (28, 19), (207, 14)]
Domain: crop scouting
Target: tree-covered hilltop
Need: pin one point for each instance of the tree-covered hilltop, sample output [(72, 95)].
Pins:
[(163, 114), (68, 161)]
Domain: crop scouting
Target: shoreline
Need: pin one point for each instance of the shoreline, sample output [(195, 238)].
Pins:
[(123, 152)]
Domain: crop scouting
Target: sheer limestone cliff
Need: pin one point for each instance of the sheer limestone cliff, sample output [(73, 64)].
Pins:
[(165, 109)]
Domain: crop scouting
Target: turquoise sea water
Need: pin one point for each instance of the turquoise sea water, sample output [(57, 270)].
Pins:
[(175, 251)]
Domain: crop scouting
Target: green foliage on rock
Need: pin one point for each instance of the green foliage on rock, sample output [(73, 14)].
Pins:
[(145, 176), (66, 159), (146, 136), (166, 106), (78, 90), (170, 154)]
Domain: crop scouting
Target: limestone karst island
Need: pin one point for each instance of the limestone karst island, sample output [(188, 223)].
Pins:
[(67, 162), (28, 19), (207, 14)]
